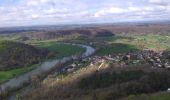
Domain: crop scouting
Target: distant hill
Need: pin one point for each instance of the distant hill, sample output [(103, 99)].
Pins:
[(51, 34), (55, 32), (15, 55)]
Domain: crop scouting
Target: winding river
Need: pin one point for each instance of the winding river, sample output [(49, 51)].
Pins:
[(46, 66)]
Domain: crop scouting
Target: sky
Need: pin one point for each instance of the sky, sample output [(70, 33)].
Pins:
[(56, 12)]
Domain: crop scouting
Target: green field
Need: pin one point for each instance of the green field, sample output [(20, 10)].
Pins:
[(157, 96), (62, 50), (116, 48), (120, 44), (6, 75), (9, 37)]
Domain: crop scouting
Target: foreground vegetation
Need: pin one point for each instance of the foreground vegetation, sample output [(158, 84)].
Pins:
[(109, 83), (154, 96)]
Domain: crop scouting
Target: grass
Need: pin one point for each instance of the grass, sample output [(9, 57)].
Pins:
[(6, 75), (123, 44), (156, 96), (61, 50), (9, 37), (116, 48), (160, 97), (149, 42)]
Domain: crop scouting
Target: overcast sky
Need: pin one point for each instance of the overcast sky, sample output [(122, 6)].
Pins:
[(54, 12)]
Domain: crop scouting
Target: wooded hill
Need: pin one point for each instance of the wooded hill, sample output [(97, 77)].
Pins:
[(53, 34), (16, 55)]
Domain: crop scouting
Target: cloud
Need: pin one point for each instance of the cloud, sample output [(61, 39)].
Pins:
[(160, 2), (108, 11), (26, 12), (155, 1)]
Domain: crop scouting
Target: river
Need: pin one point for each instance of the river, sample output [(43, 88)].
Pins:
[(46, 66)]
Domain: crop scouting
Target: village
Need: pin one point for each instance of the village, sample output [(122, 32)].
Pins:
[(154, 59)]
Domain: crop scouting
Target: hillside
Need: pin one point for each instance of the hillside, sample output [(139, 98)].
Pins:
[(16, 55), (73, 33), (110, 82)]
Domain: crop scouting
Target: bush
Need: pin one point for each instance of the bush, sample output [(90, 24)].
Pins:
[(106, 79), (149, 83)]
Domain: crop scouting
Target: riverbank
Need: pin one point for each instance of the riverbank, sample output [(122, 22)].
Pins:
[(18, 82), (57, 51)]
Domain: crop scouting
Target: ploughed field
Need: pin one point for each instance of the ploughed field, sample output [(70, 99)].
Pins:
[(17, 58)]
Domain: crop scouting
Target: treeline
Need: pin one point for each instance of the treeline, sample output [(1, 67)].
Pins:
[(55, 34), (16, 55), (108, 84), (124, 83), (106, 79)]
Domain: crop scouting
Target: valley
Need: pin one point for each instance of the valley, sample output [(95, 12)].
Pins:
[(84, 49), (16, 70), (99, 62)]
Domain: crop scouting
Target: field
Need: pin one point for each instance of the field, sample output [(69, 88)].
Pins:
[(156, 96), (9, 37), (123, 44), (62, 50), (6, 75)]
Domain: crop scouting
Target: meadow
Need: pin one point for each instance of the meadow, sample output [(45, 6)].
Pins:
[(9, 37), (6, 75), (61, 50), (129, 43), (154, 96)]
